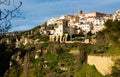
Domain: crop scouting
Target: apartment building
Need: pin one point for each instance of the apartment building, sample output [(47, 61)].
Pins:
[(116, 15)]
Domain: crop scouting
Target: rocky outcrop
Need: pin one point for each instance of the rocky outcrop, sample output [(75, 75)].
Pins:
[(75, 52), (103, 64), (17, 59)]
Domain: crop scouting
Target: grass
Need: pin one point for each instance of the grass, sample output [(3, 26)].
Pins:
[(114, 50), (88, 71)]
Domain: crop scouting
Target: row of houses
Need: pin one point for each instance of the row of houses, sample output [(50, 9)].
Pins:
[(75, 24)]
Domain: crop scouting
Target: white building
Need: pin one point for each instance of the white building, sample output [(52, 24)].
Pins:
[(51, 32), (85, 27), (51, 21), (93, 21), (42, 30), (95, 14), (60, 27), (116, 15), (98, 28)]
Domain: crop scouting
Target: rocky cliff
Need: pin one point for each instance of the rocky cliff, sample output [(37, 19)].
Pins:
[(102, 63)]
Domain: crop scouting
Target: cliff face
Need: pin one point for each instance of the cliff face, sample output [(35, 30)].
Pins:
[(45, 59), (103, 64)]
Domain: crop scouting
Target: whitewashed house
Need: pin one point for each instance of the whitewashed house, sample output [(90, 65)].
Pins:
[(116, 15)]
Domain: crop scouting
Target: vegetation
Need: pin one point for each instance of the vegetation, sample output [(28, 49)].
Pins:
[(108, 39), (88, 71), (116, 69), (112, 30), (53, 59), (5, 54), (56, 61), (108, 43)]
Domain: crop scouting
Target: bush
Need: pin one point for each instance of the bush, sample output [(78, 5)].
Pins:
[(88, 71), (116, 69), (44, 38)]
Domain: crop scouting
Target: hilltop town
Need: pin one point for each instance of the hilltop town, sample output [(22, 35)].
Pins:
[(68, 46), (81, 27), (58, 29)]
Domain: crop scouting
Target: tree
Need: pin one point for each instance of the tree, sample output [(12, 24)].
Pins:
[(8, 11), (112, 30)]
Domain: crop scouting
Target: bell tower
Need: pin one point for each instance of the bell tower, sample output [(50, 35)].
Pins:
[(80, 12)]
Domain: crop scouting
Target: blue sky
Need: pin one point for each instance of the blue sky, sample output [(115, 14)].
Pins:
[(36, 12)]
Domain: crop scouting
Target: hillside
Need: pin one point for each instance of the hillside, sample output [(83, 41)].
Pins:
[(30, 54)]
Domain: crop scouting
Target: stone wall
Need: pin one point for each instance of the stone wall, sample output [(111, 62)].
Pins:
[(60, 38), (103, 64)]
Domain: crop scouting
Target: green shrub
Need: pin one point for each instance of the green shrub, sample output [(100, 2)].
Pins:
[(88, 71), (116, 69)]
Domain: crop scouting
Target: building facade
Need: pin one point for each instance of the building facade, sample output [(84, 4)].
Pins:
[(83, 22)]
